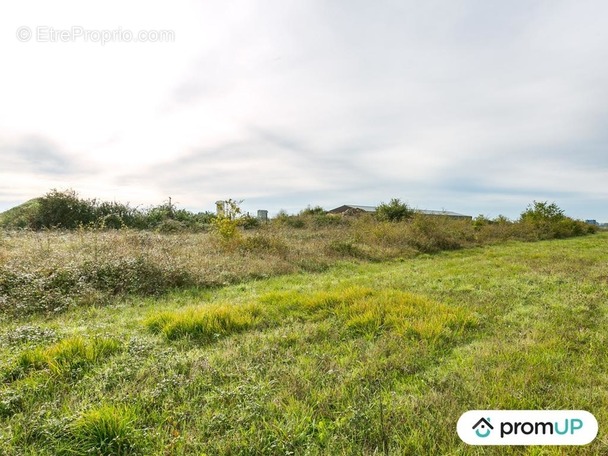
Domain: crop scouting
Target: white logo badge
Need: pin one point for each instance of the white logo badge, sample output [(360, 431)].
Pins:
[(527, 427)]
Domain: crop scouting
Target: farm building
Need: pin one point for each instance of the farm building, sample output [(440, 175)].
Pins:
[(351, 209)]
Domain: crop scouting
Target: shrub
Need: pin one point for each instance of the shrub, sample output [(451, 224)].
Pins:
[(138, 275), (317, 210), (115, 215), (542, 212), (23, 292), (154, 216), (63, 209), (170, 226), (226, 224), (394, 211), (569, 227), (53, 288), (432, 234), (227, 230), (248, 222), (547, 221), (112, 221), (264, 243), (480, 221)]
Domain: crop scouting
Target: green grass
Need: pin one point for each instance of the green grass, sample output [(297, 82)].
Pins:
[(204, 324), (106, 429), (359, 359), (66, 355), (356, 311)]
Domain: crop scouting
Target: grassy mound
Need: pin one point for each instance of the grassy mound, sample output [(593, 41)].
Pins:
[(20, 216)]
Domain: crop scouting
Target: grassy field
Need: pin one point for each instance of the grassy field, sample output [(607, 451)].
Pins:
[(358, 358)]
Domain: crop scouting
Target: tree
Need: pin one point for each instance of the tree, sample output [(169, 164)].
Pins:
[(542, 211)]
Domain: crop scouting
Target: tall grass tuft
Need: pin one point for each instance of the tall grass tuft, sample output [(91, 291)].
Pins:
[(106, 430), (66, 356), (357, 311), (406, 315), (205, 324)]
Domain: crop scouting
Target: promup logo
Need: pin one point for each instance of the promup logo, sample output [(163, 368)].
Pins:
[(527, 427), (483, 428)]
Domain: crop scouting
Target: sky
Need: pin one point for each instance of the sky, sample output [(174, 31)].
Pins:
[(477, 107)]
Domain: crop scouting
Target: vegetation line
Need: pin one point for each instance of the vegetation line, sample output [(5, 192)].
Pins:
[(94, 261)]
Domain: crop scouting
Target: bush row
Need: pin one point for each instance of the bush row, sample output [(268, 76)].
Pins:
[(66, 210)]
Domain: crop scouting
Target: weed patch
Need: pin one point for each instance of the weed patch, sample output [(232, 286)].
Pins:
[(29, 334), (133, 275)]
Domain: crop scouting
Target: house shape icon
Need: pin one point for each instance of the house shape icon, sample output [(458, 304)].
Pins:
[(484, 427)]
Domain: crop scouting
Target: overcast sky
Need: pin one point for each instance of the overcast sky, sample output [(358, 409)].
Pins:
[(477, 107)]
